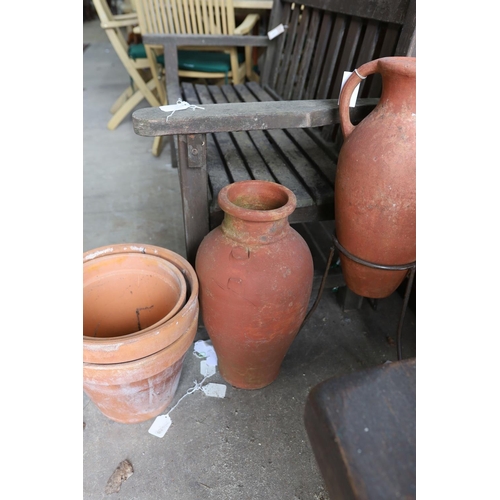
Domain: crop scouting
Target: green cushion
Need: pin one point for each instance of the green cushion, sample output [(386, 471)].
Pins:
[(136, 51), (192, 60)]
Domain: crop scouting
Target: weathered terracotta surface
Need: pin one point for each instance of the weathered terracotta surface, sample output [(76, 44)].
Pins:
[(255, 275), (141, 389), (127, 347), (375, 185), (134, 377)]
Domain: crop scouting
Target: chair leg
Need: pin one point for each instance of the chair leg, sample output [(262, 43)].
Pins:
[(157, 145), (160, 87), (128, 106), (235, 68), (121, 100), (134, 73), (173, 152), (248, 62)]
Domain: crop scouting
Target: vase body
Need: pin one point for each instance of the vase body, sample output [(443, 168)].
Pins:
[(375, 185), (140, 317), (255, 274)]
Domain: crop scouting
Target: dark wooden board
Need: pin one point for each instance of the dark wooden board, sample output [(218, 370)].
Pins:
[(382, 10), (362, 429), (151, 122)]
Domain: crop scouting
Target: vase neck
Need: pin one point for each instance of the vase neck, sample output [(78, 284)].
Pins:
[(254, 232), (398, 88)]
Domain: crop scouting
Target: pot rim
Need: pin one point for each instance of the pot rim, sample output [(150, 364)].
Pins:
[(182, 292), (146, 367), (229, 193), (126, 348)]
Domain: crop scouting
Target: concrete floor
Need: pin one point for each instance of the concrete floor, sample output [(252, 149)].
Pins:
[(250, 444)]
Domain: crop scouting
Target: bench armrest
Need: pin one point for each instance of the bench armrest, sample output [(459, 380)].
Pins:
[(234, 117), (206, 40)]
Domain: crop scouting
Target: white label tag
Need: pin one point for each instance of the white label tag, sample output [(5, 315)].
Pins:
[(204, 349), (160, 426), (276, 31), (175, 107), (354, 96), (214, 390), (207, 370)]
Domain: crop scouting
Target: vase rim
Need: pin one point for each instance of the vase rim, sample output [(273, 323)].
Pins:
[(403, 65), (256, 200)]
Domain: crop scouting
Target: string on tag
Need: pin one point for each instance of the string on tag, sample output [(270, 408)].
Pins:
[(180, 105), (197, 387)]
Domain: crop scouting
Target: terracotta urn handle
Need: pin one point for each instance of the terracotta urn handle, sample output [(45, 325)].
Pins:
[(345, 95)]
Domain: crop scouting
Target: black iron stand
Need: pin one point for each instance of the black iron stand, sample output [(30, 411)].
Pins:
[(337, 247), (411, 267)]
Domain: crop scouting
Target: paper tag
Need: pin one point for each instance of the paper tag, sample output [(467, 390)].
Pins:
[(214, 390), (276, 31), (207, 370), (204, 349), (354, 96), (160, 426), (175, 107)]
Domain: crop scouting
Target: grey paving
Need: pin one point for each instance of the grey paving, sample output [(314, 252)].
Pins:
[(251, 444)]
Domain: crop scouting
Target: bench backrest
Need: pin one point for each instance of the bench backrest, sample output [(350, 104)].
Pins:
[(324, 38)]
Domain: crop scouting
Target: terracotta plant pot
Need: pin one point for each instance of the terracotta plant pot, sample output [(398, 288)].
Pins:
[(133, 377), (138, 390), (117, 349), (255, 275), (375, 185), (128, 293)]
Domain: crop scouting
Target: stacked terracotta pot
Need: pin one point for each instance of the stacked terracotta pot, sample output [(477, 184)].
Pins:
[(140, 305)]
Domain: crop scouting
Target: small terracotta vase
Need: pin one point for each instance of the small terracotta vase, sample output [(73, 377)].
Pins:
[(375, 185), (255, 275), (133, 377)]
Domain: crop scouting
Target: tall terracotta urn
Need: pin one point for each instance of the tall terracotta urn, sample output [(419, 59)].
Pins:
[(255, 275), (375, 185)]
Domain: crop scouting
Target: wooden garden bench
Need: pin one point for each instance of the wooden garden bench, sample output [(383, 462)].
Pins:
[(283, 128)]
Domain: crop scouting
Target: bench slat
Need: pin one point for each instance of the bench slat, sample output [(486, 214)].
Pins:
[(277, 166), (306, 57), (253, 160), (300, 157)]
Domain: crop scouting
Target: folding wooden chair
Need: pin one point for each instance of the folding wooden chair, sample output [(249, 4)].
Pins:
[(224, 64), (138, 68)]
